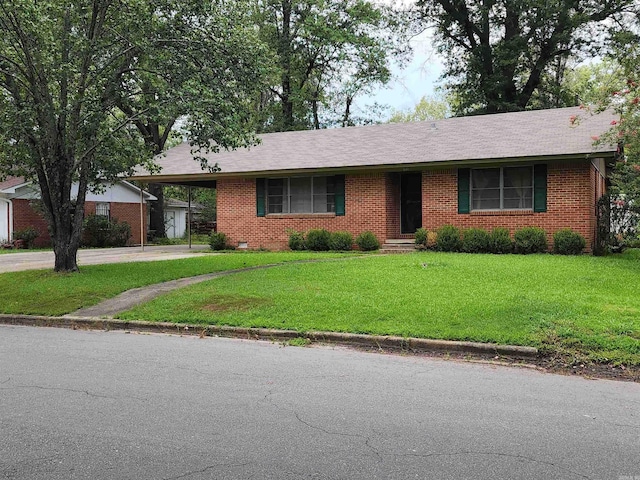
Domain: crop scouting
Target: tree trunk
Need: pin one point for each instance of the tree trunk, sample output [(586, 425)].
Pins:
[(65, 257), (285, 63), (156, 210)]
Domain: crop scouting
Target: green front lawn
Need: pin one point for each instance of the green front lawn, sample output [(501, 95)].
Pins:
[(587, 306), (43, 292)]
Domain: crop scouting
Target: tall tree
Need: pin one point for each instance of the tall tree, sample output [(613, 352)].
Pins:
[(428, 108), (325, 50), (67, 66), (194, 80), (498, 52)]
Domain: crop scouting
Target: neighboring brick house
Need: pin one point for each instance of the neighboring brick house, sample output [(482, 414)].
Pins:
[(534, 168), (18, 198)]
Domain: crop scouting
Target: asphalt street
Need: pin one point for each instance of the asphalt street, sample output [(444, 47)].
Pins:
[(112, 405)]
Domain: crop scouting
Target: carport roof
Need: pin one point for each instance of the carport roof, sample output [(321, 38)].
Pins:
[(530, 135)]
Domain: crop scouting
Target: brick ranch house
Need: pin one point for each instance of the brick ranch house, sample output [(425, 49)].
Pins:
[(119, 201), (534, 168)]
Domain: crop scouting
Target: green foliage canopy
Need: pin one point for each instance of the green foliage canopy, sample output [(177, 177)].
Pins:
[(80, 81)]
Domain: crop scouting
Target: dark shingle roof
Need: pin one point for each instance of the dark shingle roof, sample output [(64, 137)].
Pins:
[(536, 134)]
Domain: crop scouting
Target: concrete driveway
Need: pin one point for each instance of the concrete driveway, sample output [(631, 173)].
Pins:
[(13, 262)]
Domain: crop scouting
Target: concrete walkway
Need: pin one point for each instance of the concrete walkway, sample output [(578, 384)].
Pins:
[(136, 296), (14, 262)]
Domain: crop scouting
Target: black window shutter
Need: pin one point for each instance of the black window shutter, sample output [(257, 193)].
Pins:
[(260, 197), (339, 195), (464, 175), (540, 188)]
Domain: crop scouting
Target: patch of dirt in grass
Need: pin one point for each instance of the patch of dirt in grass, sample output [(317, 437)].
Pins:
[(225, 303)]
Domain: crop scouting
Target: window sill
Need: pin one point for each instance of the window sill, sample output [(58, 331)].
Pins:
[(300, 215), (508, 213)]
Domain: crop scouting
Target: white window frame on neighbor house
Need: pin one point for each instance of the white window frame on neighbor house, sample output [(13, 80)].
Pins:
[(525, 198), (103, 209), (292, 195)]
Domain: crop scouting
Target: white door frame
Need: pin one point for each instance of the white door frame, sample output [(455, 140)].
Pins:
[(6, 206)]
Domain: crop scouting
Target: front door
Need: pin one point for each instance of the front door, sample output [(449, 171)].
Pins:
[(410, 202)]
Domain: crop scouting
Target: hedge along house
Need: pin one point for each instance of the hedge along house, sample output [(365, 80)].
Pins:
[(533, 168)]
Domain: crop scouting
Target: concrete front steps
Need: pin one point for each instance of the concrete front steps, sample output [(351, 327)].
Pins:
[(398, 245)]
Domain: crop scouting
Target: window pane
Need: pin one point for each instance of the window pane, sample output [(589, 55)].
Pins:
[(518, 187), (276, 196), (485, 178), (518, 197), (518, 177), (300, 192), (323, 195), (102, 209), (485, 189), (487, 199)]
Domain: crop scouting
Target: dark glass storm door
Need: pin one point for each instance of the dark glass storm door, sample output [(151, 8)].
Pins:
[(410, 202)]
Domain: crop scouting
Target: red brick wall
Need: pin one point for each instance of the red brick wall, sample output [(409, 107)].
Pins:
[(393, 205), (571, 194), (25, 216), (130, 213), (571, 191), (365, 207)]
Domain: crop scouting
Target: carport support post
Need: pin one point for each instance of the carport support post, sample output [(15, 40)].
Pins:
[(189, 216), (141, 218)]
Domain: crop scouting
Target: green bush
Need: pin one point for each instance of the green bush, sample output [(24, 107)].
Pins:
[(530, 240), (448, 239), (296, 240), (317, 239), (475, 240), (218, 241), (100, 231), (341, 241), (500, 241), (27, 235), (367, 241), (568, 242), (421, 237)]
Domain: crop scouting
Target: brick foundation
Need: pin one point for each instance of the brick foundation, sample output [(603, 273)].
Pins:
[(372, 203)]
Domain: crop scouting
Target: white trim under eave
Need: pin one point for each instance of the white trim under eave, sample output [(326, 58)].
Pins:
[(9, 217)]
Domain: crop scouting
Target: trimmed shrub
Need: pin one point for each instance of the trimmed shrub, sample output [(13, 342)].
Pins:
[(421, 238), (500, 241), (27, 235), (317, 239), (568, 242), (100, 231), (448, 239), (218, 241), (367, 241), (342, 241), (475, 240), (296, 240), (530, 240)]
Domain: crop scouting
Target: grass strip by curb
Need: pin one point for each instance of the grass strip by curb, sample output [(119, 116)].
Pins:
[(349, 339)]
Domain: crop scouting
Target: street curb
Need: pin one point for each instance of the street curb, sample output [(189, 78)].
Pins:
[(349, 339)]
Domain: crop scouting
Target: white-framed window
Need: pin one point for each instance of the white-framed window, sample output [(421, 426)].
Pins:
[(502, 188), (301, 195), (103, 208)]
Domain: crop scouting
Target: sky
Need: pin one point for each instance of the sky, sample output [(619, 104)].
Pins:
[(417, 79)]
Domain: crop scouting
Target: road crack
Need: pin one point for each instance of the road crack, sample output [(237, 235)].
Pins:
[(496, 454), (206, 469), (73, 390)]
